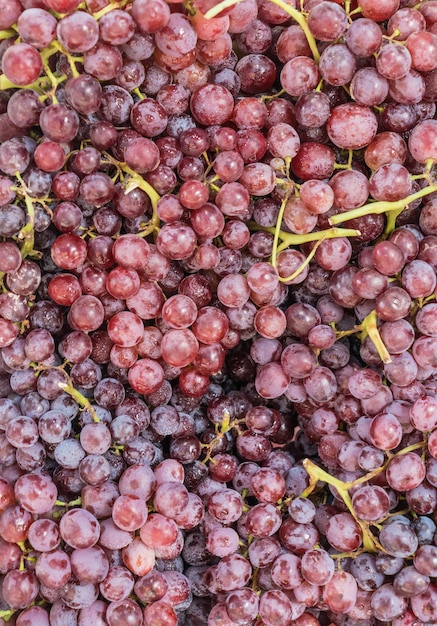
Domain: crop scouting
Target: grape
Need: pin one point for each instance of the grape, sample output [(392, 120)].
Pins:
[(423, 604), (257, 73), (53, 569), (363, 37), (177, 37), (352, 126), (20, 588), (314, 160), (13, 157), (59, 122), (35, 493), (116, 28), (371, 503), (274, 607), (327, 21), (338, 66), (386, 603), (299, 75), (79, 528), (78, 32), (22, 64), (220, 112), (103, 61)]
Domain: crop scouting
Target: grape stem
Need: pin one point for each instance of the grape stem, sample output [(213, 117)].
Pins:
[(52, 49), (278, 229), (7, 84), (76, 502), (317, 474), (27, 233), (221, 429), (80, 399), (7, 34), (301, 20), (292, 239), (381, 207), (6, 615), (369, 326), (221, 6), (291, 11), (303, 265), (137, 181), (110, 7)]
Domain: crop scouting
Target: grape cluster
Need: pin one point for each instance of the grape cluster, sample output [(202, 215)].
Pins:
[(218, 316)]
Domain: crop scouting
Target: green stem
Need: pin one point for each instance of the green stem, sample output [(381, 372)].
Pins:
[(6, 83), (111, 6), (292, 239), (382, 206), (6, 615), (301, 20), (76, 502), (369, 327), (316, 474), (303, 265), (27, 233), (7, 34), (266, 98), (392, 216), (138, 181), (80, 399), (52, 78), (221, 6), (52, 49), (278, 231), (138, 93)]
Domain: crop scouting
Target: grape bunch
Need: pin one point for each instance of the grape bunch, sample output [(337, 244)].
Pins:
[(218, 315)]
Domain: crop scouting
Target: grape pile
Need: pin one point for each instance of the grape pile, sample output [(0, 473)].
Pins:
[(218, 316)]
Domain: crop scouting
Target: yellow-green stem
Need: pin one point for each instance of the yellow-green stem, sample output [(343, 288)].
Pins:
[(316, 473), (54, 47), (303, 265), (80, 399), (278, 230), (390, 225), (76, 502), (27, 233), (369, 326), (291, 11), (266, 98), (7, 84), (138, 93), (381, 206), (7, 34), (6, 615), (292, 239), (301, 20), (111, 6), (138, 181), (221, 6)]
